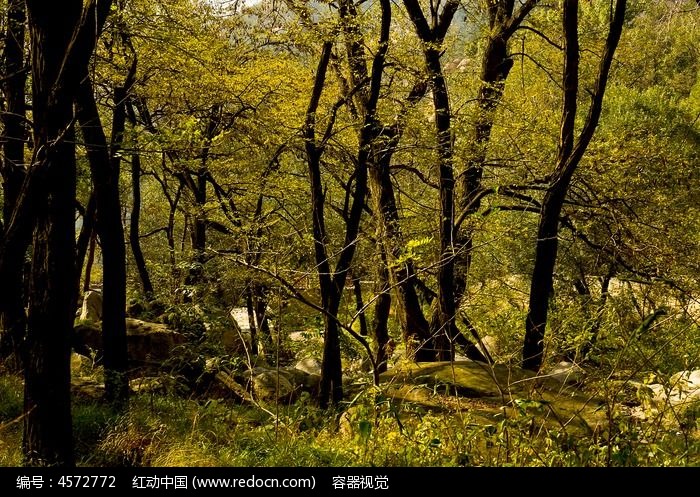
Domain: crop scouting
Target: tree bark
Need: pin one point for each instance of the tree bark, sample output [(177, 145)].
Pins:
[(104, 167), (85, 245), (47, 421), (360, 305), (570, 153), (12, 315), (442, 327), (134, 223), (495, 67), (382, 306), (250, 307), (384, 143), (92, 245)]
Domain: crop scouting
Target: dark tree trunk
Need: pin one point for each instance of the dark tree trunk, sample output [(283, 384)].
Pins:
[(360, 305), (199, 191), (442, 329), (260, 305), (496, 65), (85, 244), (332, 284), (382, 306), (384, 142), (570, 154), (134, 222), (13, 320), (105, 167), (250, 307), (92, 245), (415, 328), (442, 326), (47, 422), (331, 388)]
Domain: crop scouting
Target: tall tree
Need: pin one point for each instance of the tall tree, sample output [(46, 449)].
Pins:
[(63, 37), (105, 162), (12, 314), (571, 150), (432, 35), (496, 63)]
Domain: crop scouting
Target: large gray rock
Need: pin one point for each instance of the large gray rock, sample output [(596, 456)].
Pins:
[(491, 344), (683, 387), (92, 307), (262, 381), (239, 315), (565, 372), (147, 342), (309, 365), (269, 386)]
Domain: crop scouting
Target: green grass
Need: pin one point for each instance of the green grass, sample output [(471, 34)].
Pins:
[(372, 430)]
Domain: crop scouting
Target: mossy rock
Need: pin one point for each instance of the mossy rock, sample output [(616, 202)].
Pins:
[(464, 378), (494, 392)]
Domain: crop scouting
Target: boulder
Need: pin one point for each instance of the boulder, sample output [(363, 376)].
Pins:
[(565, 372), (146, 342), (239, 315), (150, 342), (683, 387), (268, 386), (309, 365), (491, 344), (92, 307)]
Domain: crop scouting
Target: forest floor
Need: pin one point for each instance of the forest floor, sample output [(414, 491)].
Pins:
[(433, 414)]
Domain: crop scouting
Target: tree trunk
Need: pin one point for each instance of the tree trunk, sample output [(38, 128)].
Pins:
[(382, 306), (104, 167), (360, 305), (496, 65), (47, 421), (415, 328), (92, 245), (85, 244), (570, 154), (13, 320), (134, 221), (331, 388), (250, 307), (260, 306)]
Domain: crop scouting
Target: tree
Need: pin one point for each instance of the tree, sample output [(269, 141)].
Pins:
[(12, 314), (62, 41), (569, 155), (105, 168)]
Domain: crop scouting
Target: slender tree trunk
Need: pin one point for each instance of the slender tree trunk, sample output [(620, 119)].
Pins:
[(13, 320), (360, 305), (442, 326), (84, 245), (331, 388), (199, 190), (260, 305), (415, 328), (250, 307), (105, 166), (92, 245), (496, 65), (134, 222), (382, 306), (570, 153)]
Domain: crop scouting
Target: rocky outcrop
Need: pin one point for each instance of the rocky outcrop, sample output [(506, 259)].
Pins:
[(147, 343)]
